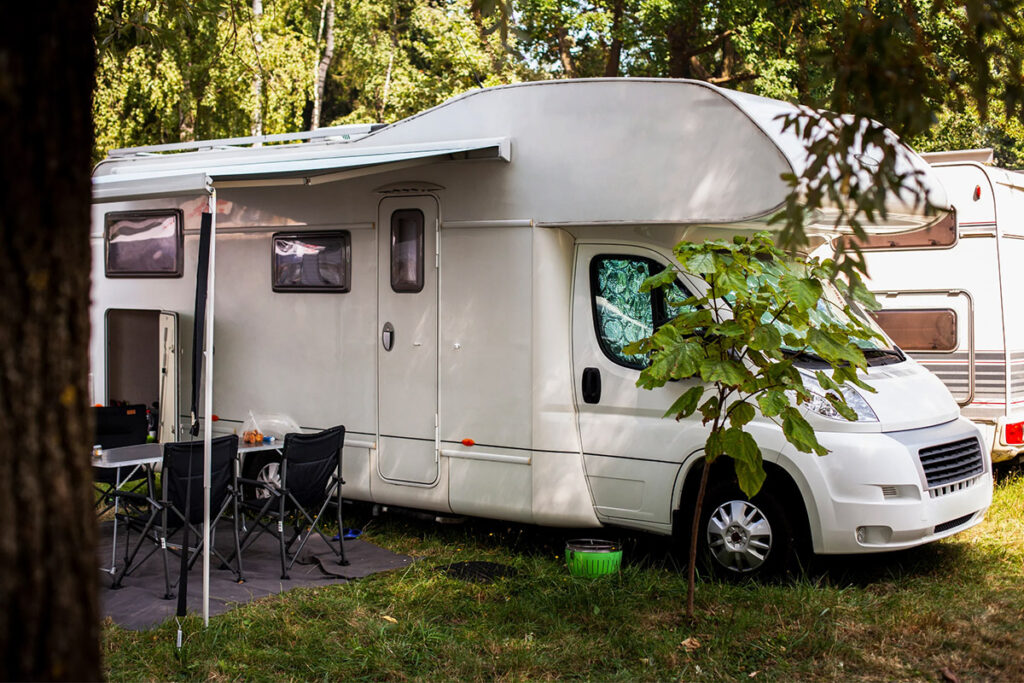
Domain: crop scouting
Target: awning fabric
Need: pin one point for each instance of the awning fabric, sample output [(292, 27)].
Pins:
[(149, 177)]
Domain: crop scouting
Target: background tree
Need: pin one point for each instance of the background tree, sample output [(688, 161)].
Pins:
[(49, 611)]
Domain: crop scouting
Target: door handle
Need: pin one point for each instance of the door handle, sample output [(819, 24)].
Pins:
[(591, 385), (387, 336)]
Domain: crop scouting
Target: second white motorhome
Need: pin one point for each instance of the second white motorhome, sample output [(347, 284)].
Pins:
[(948, 293), (457, 288)]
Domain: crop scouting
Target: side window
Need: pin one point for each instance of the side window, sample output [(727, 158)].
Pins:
[(942, 234), (144, 243), (312, 261), (622, 314), (924, 329), (407, 250)]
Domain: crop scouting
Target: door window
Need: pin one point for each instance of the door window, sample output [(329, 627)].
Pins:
[(407, 250), (622, 313)]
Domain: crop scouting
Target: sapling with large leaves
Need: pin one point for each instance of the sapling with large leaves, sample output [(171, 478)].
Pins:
[(761, 314)]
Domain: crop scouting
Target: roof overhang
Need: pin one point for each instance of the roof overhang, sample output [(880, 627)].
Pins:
[(198, 175)]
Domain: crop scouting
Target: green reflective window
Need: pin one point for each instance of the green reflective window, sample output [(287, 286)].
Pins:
[(622, 313)]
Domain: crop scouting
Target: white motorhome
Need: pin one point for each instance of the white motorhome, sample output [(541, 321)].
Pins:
[(947, 294), (456, 288)]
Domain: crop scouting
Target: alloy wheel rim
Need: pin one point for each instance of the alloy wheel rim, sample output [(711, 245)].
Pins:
[(268, 474), (739, 536)]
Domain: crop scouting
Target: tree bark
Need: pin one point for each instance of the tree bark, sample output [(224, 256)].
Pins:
[(257, 82), (564, 53), (324, 65), (49, 610), (611, 66)]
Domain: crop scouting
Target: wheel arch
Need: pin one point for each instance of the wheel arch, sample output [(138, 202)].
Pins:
[(783, 479)]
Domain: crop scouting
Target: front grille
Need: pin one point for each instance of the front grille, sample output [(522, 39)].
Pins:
[(952, 524), (952, 462)]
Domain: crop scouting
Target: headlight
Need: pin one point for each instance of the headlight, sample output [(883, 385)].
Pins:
[(821, 405)]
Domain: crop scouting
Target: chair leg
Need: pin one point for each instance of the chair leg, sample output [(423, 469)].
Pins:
[(163, 553), (341, 532), (238, 547), (129, 554), (280, 536)]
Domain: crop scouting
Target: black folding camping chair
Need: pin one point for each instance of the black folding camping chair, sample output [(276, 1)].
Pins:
[(183, 470), (310, 480), (117, 426)]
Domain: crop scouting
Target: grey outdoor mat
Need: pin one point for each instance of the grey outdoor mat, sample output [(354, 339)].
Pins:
[(139, 604)]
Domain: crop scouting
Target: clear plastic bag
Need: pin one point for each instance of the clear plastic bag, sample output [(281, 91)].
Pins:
[(260, 427)]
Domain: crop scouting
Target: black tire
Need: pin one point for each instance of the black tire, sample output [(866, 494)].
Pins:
[(260, 466), (746, 539)]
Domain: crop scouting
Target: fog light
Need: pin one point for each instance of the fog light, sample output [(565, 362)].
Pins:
[(873, 535)]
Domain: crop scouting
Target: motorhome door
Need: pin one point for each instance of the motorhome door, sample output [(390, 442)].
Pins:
[(407, 344), (632, 455)]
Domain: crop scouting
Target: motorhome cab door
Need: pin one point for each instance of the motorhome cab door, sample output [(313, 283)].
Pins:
[(407, 344), (631, 453)]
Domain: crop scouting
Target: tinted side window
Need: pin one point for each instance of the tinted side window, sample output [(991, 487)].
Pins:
[(926, 329), (622, 314), (407, 250), (312, 262), (144, 243), (942, 234)]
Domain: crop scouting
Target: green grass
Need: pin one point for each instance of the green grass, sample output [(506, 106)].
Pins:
[(957, 604)]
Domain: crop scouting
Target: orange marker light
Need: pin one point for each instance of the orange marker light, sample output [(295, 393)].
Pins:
[(468, 442)]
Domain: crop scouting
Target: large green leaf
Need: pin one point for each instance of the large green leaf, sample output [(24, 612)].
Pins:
[(680, 360), (700, 263), (800, 433), (687, 403), (741, 413), (804, 292), (772, 402), (722, 370), (746, 457), (765, 338)]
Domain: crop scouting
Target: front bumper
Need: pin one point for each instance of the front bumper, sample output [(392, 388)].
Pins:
[(871, 493)]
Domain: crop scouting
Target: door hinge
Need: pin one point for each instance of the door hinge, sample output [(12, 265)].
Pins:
[(437, 439), (437, 243)]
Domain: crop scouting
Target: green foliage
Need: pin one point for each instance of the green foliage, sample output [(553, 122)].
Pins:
[(171, 70), (761, 311)]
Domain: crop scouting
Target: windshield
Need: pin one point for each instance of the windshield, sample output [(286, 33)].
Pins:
[(831, 309)]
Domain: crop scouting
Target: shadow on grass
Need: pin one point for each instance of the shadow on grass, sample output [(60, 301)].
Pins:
[(650, 551)]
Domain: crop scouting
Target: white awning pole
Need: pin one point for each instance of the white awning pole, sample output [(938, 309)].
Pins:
[(208, 422)]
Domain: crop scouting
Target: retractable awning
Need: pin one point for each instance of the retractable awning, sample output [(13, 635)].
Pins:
[(196, 173)]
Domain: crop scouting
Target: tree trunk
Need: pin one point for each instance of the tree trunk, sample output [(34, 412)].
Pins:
[(564, 53), (257, 82), (324, 65), (691, 584), (611, 65), (49, 610)]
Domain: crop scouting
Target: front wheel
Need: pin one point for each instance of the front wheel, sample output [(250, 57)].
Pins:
[(741, 538)]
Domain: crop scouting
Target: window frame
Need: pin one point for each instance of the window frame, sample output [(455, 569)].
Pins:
[(396, 215), (659, 312), (346, 260), (179, 243)]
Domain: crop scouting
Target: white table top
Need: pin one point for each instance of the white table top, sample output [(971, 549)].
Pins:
[(129, 456), (152, 453)]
